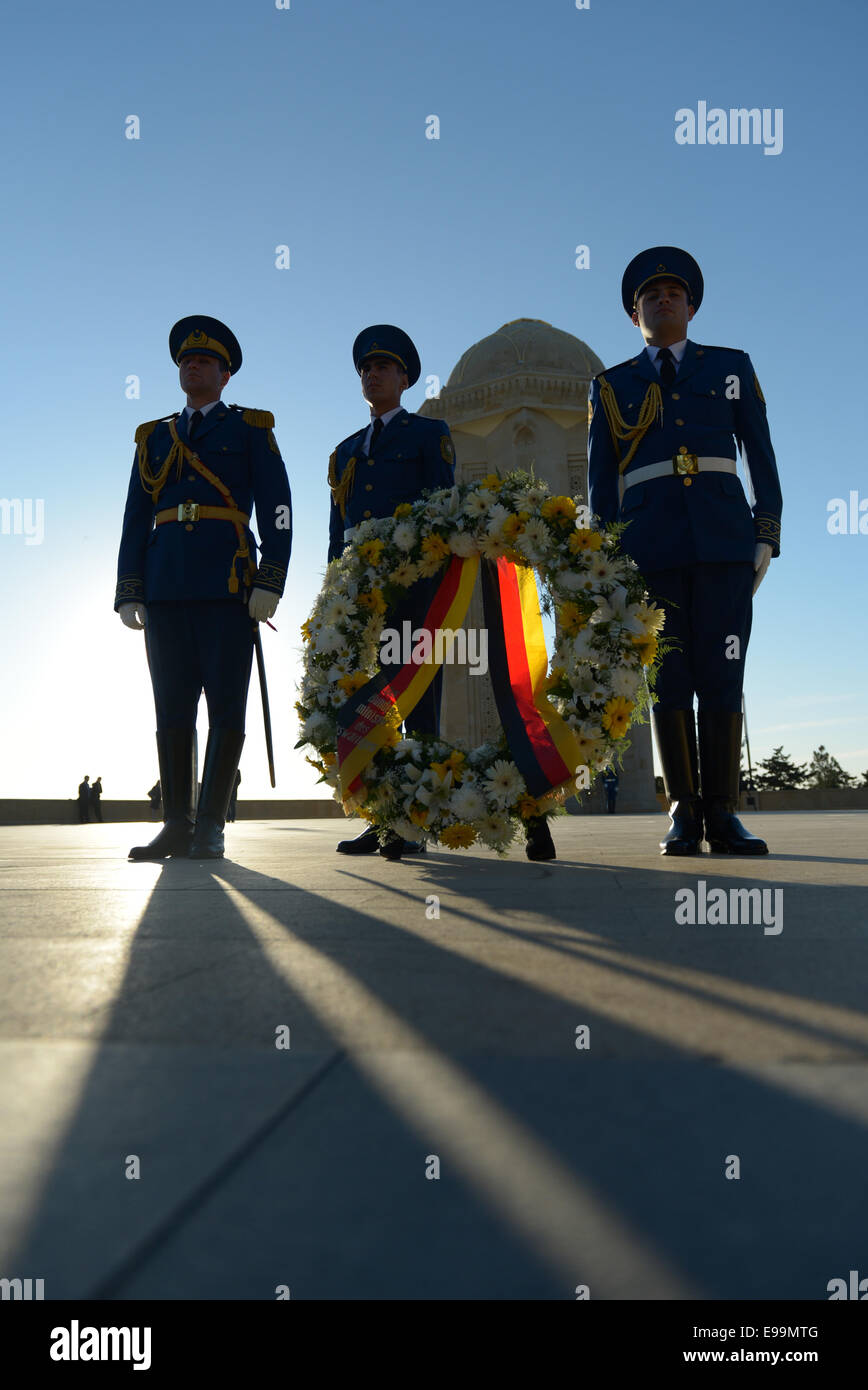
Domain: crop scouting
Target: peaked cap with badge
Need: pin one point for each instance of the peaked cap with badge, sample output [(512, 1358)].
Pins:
[(662, 460), (385, 340)]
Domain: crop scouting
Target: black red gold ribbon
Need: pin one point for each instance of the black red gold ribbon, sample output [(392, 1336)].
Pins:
[(541, 744)]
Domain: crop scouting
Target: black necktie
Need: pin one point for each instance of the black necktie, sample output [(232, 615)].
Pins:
[(668, 368), (375, 433), (195, 421)]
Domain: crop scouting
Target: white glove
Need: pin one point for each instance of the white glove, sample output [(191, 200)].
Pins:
[(133, 615), (761, 559), (261, 605)]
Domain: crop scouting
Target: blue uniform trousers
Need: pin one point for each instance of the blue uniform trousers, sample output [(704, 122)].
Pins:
[(195, 646), (706, 606)]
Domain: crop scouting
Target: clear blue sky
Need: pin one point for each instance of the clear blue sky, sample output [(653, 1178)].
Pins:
[(307, 127)]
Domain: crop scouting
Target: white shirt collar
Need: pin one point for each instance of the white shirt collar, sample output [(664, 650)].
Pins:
[(677, 350), (189, 409), (388, 415)]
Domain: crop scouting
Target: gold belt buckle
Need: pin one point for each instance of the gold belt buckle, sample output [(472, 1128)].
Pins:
[(188, 511), (685, 463)]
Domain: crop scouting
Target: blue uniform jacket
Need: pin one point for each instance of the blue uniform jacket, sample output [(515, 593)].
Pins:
[(672, 521), (189, 561), (413, 454)]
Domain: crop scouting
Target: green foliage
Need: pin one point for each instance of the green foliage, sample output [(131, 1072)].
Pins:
[(826, 771), (779, 773)]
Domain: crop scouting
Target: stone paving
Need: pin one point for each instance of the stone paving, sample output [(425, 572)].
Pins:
[(432, 1130)]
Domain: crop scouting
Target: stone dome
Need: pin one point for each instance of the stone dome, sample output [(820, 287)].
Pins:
[(520, 347)]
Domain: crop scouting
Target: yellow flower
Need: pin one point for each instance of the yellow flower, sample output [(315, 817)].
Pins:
[(584, 540), (454, 764), (512, 526), (419, 814), (558, 509), (647, 648), (491, 481), (616, 715), (305, 630), (435, 545), (370, 551), (405, 574), (571, 618), (315, 762), (434, 552), (403, 509), (457, 836), (353, 682), (329, 759), (393, 737), (556, 675), (528, 806), (373, 601)]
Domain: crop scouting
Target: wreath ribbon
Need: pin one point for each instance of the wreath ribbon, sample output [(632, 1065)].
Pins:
[(541, 744), (366, 720)]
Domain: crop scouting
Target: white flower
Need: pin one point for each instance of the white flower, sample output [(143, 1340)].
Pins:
[(408, 748), (315, 726), (572, 580), (404, 535), (328, 639), (534, 539), (477, 503), (467, 803), (463, 543), (338, 610), (583, 645), (408, 831), (491, 547), (626, 682), (602, 569), (615, 609), (447, 505), (495, 830), (651, 618), (532, 497), (505, 783)]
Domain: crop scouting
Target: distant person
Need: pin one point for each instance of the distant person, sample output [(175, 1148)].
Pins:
[(233, 800), (84, 801), (610, 782), (156, 797), (95, 794)]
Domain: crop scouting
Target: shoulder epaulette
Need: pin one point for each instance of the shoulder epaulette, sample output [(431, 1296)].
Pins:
[(260, 419), (144, 430), (630, 362), (355, 434)]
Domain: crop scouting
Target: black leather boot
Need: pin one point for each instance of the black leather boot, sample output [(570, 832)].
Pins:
[(540, 844), (218, 779), (675, 732), (366, 843), (719, 762), (176, 751)]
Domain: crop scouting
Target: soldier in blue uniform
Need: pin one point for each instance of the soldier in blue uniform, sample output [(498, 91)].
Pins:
[(188, 574), (662, 459), (393, 459)]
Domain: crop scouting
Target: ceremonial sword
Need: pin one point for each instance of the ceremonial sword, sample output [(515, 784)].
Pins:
[(266, 712)]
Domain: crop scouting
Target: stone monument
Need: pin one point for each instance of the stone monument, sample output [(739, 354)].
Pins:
[(519, 399)]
